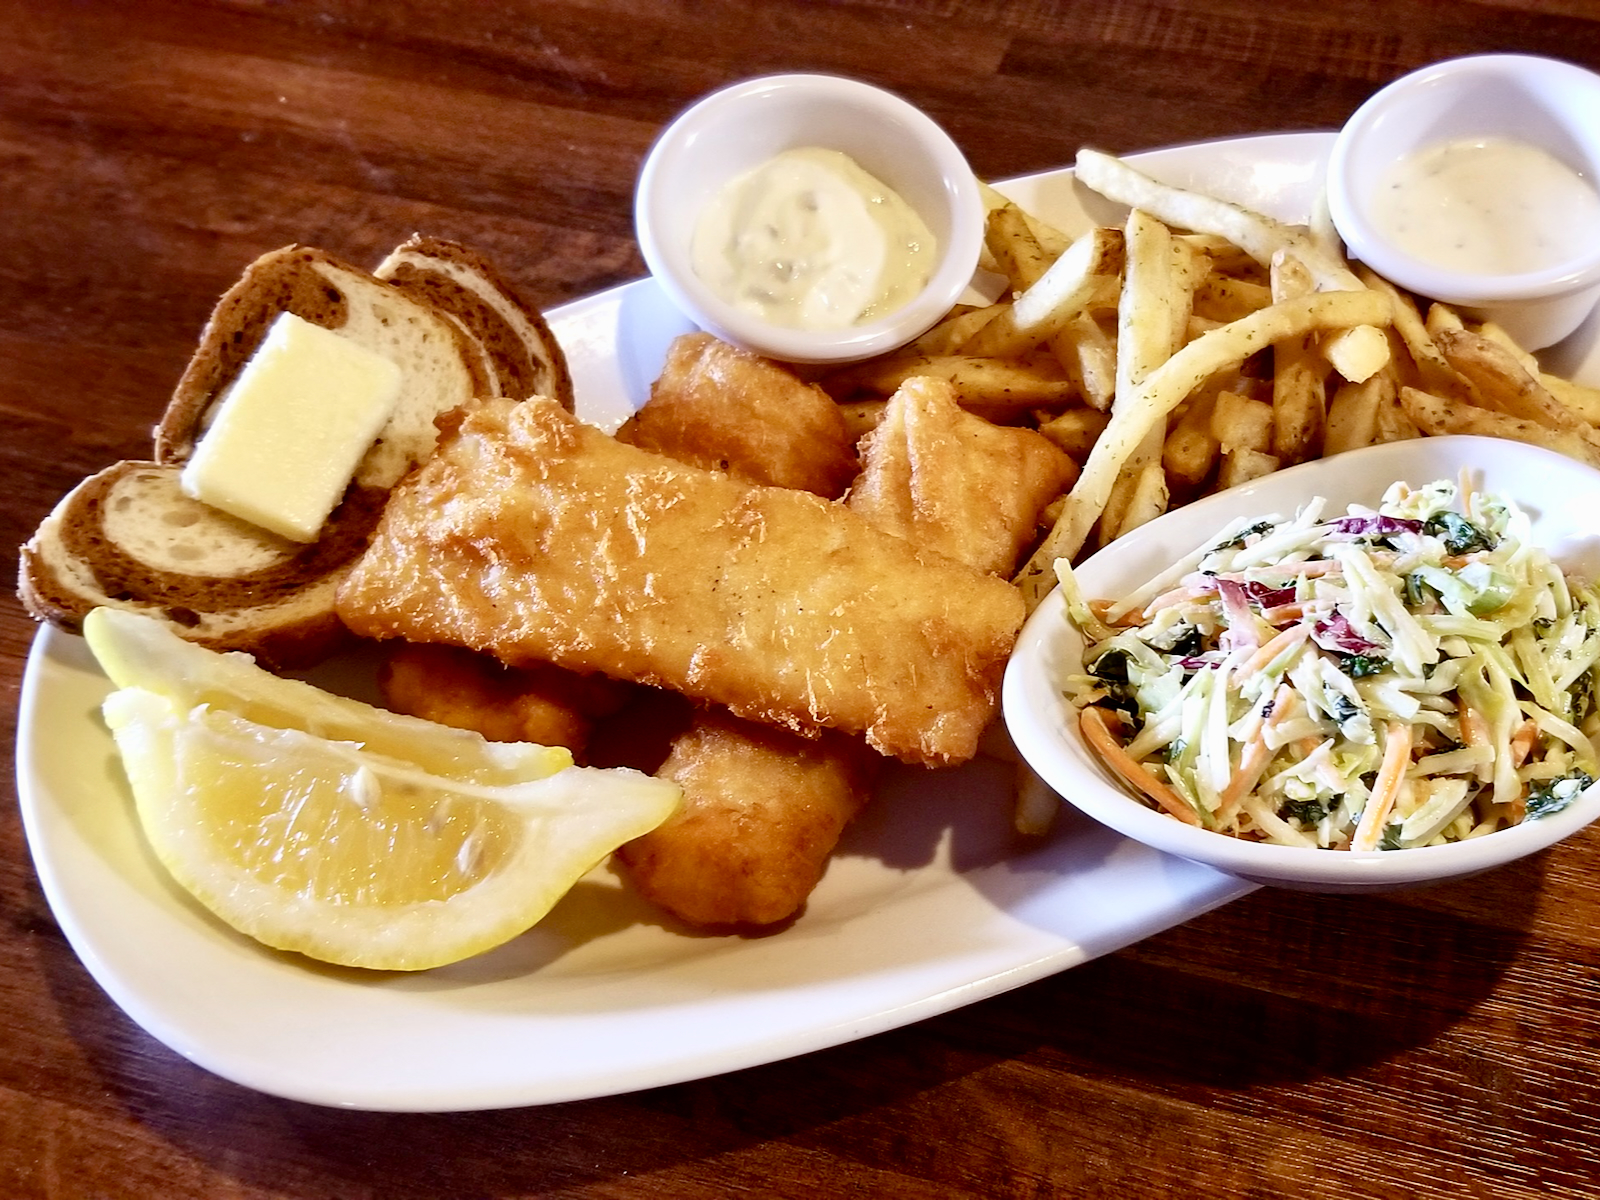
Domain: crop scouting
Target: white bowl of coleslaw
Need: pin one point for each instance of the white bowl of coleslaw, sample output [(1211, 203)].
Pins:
[(1559, 498)]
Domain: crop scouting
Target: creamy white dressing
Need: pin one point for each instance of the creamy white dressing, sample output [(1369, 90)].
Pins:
[(1487, 206), (809, 240)]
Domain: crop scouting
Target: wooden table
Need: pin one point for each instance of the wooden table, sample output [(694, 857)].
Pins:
[(1443, 1042)]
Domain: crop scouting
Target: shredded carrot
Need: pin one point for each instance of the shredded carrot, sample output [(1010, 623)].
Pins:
[(1283, 642), (1283, 612), (1522, 741), (1253, 762), (1127, 620), (1391, 773), (1092, 723)]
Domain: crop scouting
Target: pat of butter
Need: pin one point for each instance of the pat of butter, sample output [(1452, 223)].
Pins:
[(291, 430)]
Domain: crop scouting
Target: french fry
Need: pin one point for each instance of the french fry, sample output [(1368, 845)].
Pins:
[(1148, 499), (1035, 804), (1226, 258), (1089, 355), (1584, 401), (1355, 353), (1257, 235), (1290, 275), (1016, 251), (1442, 318), (1394, 423), (1497, 334), (1441, 415), (1163, 390), (1353, 413), (1240, 423), (1191, 449), (1435, 373), (1157, 292), (1299, 400), (949, 334), (1244, 465), (982, 382), (1177, 400), (1500, 382), (1225, 298), (1299, 394), (1075, 430), (1050, 239), (1064, 291)]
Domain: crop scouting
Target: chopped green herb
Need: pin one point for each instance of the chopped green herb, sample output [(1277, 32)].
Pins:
[(1459, 535), (1244, 535), (1357, 665), (1552, 796)]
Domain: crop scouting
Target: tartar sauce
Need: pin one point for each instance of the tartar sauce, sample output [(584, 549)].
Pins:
[(1489, 206), (809, 240)]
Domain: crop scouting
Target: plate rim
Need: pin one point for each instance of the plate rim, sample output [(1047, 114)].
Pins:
[(49, 647)]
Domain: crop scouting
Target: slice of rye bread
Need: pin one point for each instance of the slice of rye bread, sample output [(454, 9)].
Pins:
[(522, 353), (441, 366), (128, 537)]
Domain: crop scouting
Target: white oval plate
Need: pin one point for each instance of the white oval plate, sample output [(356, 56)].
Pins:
[(929, 905)]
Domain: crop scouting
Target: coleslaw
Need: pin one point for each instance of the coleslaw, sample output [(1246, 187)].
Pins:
[(1388, 678)]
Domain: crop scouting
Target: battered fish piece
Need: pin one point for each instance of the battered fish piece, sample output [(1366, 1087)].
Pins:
[(540, 539), (941, 477), (725, 409), (762, 810), (468, 690)]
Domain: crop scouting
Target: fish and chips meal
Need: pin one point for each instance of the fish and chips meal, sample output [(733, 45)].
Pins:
[(1409, 675), (690, 646)]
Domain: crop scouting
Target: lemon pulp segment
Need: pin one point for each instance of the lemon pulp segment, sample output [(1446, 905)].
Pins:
[(327, 848)]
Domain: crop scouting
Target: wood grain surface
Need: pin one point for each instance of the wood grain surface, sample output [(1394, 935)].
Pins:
[(1437, 1043)]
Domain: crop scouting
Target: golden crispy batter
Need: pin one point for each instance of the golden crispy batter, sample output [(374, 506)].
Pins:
[(762, 810), (468, 690), (943, 478), (538, 538), (725, 409)]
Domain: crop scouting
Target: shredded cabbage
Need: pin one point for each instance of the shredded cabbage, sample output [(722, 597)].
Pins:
[(1264, 678)]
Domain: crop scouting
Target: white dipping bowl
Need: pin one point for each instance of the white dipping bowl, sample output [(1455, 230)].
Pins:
[(1561, 497), (1551, 105), (737, 129)]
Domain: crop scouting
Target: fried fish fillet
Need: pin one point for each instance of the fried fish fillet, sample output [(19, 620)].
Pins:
[(762, 810), (941, 477), (468, 690), (538, 538), (722, 408)]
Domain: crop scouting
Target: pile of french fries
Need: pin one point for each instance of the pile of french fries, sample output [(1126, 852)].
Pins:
[(1202, 345)]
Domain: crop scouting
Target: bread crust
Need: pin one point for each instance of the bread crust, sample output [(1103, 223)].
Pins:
[(276, 601), (129, 538), (324, 290), (524, 355)]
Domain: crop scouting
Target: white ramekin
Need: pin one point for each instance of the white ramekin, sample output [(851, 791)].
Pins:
[(736, 129), (1552, 105)]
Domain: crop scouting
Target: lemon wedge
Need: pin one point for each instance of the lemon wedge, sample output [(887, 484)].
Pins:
[(318, 824), (140, 651), (356, 858)]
